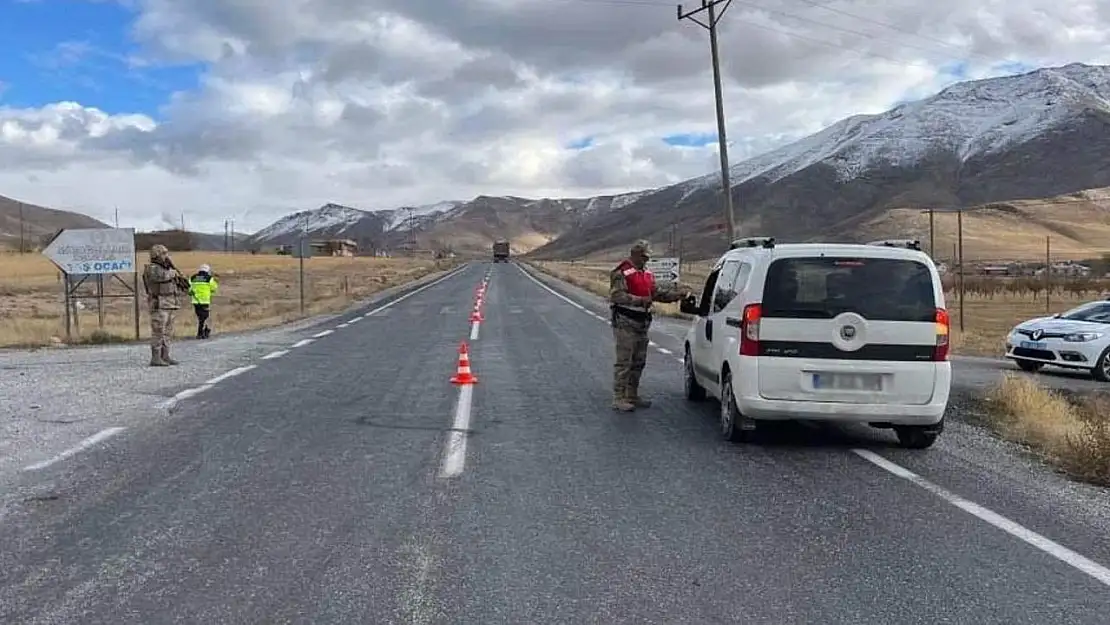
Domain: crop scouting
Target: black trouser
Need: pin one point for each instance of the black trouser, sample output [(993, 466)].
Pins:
[(203, 331)]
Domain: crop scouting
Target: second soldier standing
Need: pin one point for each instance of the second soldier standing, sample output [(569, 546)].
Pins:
[(163, 284), (632, 291)]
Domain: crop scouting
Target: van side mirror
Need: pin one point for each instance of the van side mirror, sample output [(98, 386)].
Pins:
[(689, 305)]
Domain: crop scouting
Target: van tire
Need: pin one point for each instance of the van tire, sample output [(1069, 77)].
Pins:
[(916, 436), (730, 417), (694, 391)]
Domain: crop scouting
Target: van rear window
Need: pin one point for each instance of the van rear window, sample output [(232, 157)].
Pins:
[(879, 289)]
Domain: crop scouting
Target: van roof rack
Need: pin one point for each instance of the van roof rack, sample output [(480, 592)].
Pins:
[(765, 242), (909, 244)]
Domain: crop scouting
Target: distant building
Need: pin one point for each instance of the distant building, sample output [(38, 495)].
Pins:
[(334, 247)]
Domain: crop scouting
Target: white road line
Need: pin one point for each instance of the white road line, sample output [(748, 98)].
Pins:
[(653, 344), (302, 343), (230, 374), (664, 350), (278, 354), (553, 291), (454, 457), (170, 403), (357, 319), (474, 330), (1061, 553), (343, 325), (100, 436), (320, 335)]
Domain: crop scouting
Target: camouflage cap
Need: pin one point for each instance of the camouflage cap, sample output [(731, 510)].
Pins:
[(642, 247), (159, 251)]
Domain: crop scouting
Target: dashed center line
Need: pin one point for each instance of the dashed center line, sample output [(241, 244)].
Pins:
[(303, 342), (278, 354), (454, 459), (320, 335)]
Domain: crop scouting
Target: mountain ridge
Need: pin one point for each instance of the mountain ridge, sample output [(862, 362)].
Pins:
[(1028, 136)]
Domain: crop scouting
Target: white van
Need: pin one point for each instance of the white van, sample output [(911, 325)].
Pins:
[(850, 333)]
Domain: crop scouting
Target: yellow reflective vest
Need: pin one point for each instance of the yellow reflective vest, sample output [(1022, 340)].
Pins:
[(201, 288)]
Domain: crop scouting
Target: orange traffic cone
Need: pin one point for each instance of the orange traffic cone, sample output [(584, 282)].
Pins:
[(463, 375), (477, 314)]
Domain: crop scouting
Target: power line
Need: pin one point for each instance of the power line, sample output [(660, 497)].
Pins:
[(710, 8), (815, 40)]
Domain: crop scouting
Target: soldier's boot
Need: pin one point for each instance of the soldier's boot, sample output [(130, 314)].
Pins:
[(634, 395), (156, 358), (166, 356), (620, 400)]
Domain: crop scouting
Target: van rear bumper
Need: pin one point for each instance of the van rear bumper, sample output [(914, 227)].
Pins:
[(895, 414), (755, 406)]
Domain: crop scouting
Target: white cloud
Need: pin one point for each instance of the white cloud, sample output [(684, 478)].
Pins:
[(381, 102)]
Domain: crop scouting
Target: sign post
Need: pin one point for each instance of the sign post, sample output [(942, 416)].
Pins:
[(303, 251), (81, 253), (666, 270)]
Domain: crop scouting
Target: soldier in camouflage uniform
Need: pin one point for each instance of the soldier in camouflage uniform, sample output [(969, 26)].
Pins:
[(632, 290), (163, 285)]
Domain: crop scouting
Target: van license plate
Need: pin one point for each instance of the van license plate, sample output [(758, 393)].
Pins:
[(1032, 345), (848, 381)]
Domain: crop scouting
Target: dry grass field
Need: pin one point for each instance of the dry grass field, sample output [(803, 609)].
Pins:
[(1073, 434), (989, 313), (255, 291)]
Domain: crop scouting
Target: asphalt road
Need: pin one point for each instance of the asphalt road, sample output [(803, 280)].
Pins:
[(308, 488)]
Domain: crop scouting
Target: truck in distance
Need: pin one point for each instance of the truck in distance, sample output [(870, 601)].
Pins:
[(501, 251)]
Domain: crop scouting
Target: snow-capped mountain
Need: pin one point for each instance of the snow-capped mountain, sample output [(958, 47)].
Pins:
[(460, 225), (1033, 135)]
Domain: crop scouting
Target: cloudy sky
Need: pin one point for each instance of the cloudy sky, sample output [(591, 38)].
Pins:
[(250, 109)]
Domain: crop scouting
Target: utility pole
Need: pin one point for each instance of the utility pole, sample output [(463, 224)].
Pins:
[(117, 217), (710, 7), (412, 232), (22, 236)]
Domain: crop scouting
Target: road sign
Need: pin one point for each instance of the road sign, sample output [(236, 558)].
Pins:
[(93, 251), (664, 269)]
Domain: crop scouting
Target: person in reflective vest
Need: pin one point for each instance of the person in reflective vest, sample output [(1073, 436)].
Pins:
[(202, 285), (632, 291)]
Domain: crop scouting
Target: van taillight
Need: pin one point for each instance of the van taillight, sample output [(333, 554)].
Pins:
[(940, 352), (749, 330)]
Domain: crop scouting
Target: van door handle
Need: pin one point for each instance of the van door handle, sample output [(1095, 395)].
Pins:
[(709, 330), (732, 322)]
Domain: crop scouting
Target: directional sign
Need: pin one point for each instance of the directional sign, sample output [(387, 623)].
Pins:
[(664, 269), (93, 250)]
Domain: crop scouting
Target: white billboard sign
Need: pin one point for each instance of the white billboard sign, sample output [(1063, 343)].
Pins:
[(93, 251)]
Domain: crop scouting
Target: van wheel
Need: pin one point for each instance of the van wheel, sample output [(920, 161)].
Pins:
[(916, 437), (694, 391), (1032, 366), (731, 419)]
